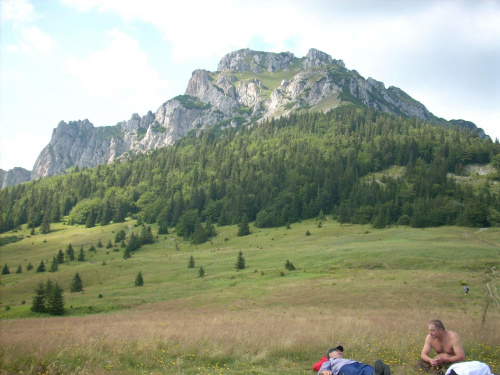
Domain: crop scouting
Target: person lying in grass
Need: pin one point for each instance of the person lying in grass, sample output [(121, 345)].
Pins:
[(447, 346), (337, 365)]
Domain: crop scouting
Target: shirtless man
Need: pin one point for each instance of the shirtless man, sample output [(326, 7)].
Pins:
[(447, 346)]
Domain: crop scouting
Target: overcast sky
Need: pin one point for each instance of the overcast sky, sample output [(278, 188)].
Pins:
[(104, 60)]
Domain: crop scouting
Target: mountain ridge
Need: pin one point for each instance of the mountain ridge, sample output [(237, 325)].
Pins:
[(248, 87)]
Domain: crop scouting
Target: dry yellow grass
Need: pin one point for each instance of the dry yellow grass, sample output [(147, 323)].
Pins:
[(176, 338)]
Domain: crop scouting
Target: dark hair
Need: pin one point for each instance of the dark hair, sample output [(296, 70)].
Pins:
[(437, 323)]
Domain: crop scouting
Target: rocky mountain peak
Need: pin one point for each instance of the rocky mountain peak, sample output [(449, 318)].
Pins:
[(240, 92), (246, 60), (315, 57)]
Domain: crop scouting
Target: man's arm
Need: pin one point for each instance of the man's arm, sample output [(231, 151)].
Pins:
[(326, 369), (458, 351), (426, 350)]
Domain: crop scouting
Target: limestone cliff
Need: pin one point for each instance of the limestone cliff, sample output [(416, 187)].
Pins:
[(248, 87), (13, 177)]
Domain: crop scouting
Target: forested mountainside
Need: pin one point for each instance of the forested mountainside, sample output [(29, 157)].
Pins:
[(279, 172), (249, 87)]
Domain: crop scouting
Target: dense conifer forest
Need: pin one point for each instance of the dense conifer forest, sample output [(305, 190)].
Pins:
[(276, 173)]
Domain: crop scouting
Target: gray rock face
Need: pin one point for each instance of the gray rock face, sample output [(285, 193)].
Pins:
[(248, 87), (13, 177), (246, 60)]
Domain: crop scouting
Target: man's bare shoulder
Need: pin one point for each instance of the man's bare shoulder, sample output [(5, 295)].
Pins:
[(453, 335)]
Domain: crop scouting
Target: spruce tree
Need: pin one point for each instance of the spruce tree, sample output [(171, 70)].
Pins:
[(120, 236), (191, 262), (126, 254), (48, 287), (146, 235), (45, 228), (38, 304), (199, 234), (240, 262), (29, 267), (201, 272), (41, 267), (19, 269), (81, 255), (109, 245), (210, 229), (139, 281), (55, 301), (70, 253), (60, 257), (76, 284), (5, 269), (54, 265), (134, 242), (243, 227)]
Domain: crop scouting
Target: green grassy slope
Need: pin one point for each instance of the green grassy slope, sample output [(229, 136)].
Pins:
[(400, 258), (372, 290)]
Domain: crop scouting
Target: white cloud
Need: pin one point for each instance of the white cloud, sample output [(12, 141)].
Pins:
[(18, 11), (29, 38), (21, 149), (122, 68), (34, 41)]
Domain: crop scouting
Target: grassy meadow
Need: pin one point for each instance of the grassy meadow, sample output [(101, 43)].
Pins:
[(372, 291)]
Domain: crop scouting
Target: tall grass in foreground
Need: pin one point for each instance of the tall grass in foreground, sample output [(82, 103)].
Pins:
[(174, 338)]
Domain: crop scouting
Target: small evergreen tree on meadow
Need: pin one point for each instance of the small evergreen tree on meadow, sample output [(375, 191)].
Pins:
[(126, 254), (243, 227), (45, 227), (91, 219), (60, 257), (48, 287), (81, 255), (380, 220), (29, 267), (120, 236), (199, 234), (163, 227), (5, 269), (210, 229), (289, 266), (146, 235), (38, 304), (55, 301), (191, 262), (139, 281), (19, 269), (134, 242), (99, 244), (41, 267), (201, 272), (76, 284), (70, 253), (109, 245), (92, 248), (54, 266), (240, 262), (321, 215)]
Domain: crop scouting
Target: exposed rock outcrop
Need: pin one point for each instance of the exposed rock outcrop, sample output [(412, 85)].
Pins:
[(247, 88), (13, 177)]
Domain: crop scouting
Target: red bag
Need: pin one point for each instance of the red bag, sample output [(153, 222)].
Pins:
[(318, 364)]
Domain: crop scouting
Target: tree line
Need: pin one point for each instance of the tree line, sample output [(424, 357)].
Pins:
[(275, 173)]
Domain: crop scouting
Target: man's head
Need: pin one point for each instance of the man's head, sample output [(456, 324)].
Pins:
[(436, 327), (336, 352)]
